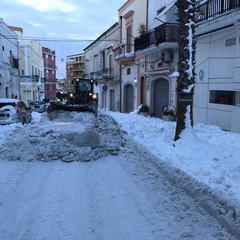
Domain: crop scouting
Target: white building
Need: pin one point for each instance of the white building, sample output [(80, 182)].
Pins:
[(101, 67), (160, 47), (217, 92), (9, 77), (30, 68), (132, 14)]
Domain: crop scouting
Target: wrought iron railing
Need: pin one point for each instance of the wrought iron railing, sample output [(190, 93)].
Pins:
[(51, 66), (167, 32), (103, 73), (212, 8), (35, 78)]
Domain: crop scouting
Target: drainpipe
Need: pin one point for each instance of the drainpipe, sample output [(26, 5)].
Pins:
[(120, 69)]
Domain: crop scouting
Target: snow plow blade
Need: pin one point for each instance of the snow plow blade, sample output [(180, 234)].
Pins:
[(54, 109)]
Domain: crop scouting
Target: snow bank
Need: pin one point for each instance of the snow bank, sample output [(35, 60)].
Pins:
[(72, 137)]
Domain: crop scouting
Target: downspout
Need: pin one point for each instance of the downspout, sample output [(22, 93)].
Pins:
[(120, 69)]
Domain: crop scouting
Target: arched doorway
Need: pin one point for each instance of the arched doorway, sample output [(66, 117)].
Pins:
[(142, 90), (160, 96), (129, 96)]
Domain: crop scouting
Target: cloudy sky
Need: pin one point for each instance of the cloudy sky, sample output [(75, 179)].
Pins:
[(55, 20)]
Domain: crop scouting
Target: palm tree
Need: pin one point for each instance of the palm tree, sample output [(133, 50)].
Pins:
[(186, 63), (142, 28)]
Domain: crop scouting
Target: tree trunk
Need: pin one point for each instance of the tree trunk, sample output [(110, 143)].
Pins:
[(186, 63)]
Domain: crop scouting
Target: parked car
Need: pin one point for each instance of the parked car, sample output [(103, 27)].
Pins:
[(13, 111), (38, 106)]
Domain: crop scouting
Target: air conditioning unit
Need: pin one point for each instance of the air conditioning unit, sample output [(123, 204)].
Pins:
[(166, 57)]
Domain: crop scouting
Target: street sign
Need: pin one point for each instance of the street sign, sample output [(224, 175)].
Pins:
[(104, 87)]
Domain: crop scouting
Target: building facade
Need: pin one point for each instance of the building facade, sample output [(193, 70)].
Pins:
[(74, 70), (132, 15), (160, 47), (49, 74), (9, 77), (101, 67), (217, 91), (30, 68)]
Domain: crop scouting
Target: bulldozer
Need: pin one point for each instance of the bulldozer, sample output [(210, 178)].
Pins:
[(83, 99)]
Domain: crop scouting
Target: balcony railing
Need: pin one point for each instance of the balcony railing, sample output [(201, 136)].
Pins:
[(167, 32), (105, 73), (51, 66), (35, 78), (212, 8)]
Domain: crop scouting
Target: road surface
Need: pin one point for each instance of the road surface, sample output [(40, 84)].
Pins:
[(120, 196)]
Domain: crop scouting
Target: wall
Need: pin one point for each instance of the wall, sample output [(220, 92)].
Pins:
[(217, 68), (154, 6), (97, 52), (9, 79)]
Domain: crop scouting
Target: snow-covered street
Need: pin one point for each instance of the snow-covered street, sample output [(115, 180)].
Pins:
[(54, 187), (119, 197)]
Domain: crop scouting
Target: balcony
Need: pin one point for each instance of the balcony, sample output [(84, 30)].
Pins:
[(124, 53), (35, 78), (210, 9), (163, 36), (50, 66), (103, 74)]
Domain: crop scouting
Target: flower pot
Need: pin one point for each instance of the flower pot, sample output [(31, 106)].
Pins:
[(168, 118)]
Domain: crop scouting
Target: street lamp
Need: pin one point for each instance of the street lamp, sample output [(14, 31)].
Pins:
[(135, 82)]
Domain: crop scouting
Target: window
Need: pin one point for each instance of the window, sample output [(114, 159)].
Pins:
[(129, 39), (95, 63), (103, 60), (237, 99), (224, 97), (160, 10), (128, 71), (110, 59)]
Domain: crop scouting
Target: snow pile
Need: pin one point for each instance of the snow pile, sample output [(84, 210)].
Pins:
[(204, 162), (207, 153), (72, 137)]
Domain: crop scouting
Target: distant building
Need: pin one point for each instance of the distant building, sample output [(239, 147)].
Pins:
[(101, 67), (49, 73), (74, 70), (30, 68), (9, 77)]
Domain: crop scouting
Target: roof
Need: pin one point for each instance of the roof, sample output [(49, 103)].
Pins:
[(102, 35)]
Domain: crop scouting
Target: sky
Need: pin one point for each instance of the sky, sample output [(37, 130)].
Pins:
[(119, 195), (59, 19)]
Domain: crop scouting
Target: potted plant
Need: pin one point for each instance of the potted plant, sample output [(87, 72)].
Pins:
[(142, 29), (144, 110), (168, 113)]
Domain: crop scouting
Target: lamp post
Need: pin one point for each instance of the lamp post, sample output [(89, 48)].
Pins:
[(135, 82)]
